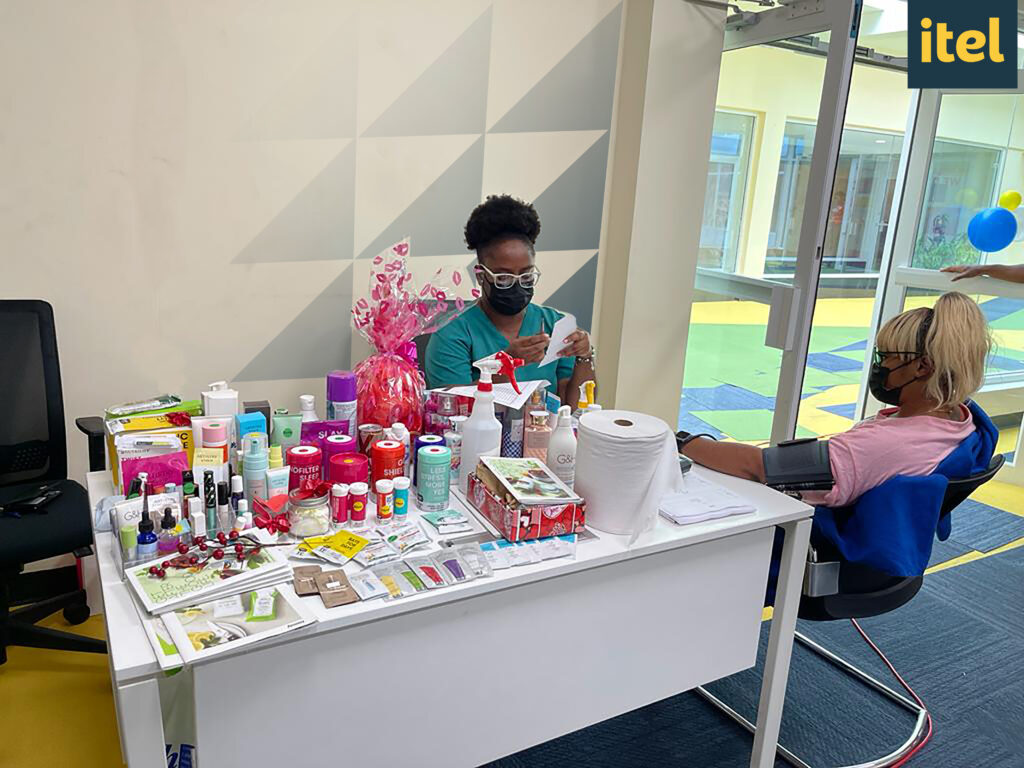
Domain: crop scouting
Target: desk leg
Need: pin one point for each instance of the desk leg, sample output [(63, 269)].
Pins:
[(780, 643), (141, 724)]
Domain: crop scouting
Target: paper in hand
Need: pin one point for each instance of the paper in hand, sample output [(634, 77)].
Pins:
[(565, 326)]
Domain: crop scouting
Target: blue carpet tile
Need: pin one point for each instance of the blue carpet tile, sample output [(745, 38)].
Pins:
[(847, 410), (725, 397), (1000, 307), (690, 423), (944, 551), (857, 346), (826, 361), (982, 527), (952, 643)]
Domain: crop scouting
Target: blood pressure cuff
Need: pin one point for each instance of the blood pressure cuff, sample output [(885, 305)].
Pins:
[(798, 465)]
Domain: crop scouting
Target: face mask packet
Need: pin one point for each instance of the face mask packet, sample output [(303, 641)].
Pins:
[(516, 555), (407, 577), (376, 553), (429, 572), (396, 586), (562, 546), (403, 538), (367, 585), (454, 566), (533, 548), (304, 580), (262, 605), (475, 559), (335, 589), (496, 558)]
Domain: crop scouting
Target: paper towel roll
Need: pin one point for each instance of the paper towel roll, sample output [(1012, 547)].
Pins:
[(625, 463)]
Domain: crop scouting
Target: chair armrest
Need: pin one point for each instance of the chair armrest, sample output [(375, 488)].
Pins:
[(92, 427)]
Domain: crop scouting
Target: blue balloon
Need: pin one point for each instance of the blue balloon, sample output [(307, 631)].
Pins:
[(992, 229)]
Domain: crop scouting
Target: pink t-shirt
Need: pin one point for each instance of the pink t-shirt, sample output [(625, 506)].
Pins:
[(885, 446)]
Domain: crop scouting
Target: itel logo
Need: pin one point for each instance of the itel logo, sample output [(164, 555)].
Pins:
[(957, 44)]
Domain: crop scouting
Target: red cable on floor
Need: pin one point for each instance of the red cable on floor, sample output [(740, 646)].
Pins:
[(928, 734)]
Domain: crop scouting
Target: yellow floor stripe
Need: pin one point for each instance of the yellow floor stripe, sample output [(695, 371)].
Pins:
[(969, 557), (1004, 496)]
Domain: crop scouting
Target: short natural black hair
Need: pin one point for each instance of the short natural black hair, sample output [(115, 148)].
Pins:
[(499, 217)]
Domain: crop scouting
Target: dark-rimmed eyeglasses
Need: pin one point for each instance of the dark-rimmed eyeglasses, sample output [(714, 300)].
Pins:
[(879, 355)]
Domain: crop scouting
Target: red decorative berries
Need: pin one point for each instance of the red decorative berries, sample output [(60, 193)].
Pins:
[(218, 553), (233, 535)]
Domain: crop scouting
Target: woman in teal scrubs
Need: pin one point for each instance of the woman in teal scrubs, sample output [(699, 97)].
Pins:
[(502, 230)]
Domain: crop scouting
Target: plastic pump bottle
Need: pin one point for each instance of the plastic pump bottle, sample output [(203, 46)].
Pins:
[(308, 403), (481, 434), (562, 448), (254, 473)]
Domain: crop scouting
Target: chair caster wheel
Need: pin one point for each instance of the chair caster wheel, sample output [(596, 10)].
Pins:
[(76, 614)]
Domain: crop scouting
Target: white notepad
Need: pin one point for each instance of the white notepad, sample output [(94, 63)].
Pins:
[(701, 500)]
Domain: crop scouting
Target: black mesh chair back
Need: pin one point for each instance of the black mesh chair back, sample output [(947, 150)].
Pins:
[(32, 434), (958, 490)]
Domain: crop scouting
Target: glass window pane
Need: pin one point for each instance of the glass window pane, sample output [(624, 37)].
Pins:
[(976, 155), (732, 376), (726, 190)]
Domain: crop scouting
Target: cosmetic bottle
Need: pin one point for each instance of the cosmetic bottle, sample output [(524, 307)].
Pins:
[(287, 429), (188, 486), (215, 435), (512, 434), (224, 516), (168, 540), (195, 514), (537, 437), (401, 435), (145, 544), (210, 501), (453, 439), (341, 398), (256, 464), (276, 457), (237, 491), (561, 458), (308, 407)]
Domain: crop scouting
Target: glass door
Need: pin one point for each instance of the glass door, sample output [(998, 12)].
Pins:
[(773, 157), (966, 149)]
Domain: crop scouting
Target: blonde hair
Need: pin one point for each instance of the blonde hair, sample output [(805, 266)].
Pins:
[(953, 336)]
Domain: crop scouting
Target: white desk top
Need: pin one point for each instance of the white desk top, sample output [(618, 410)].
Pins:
[(132, 656)]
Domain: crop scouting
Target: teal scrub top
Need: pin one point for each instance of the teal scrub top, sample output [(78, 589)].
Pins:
[(470, 336)]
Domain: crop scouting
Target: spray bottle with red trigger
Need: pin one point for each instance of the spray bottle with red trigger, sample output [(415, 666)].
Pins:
[(481, 434)]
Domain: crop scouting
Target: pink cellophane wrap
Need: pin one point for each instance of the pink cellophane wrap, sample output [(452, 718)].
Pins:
[(389, 384)]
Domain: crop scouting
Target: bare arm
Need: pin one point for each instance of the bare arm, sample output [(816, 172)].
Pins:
[(736, 459), (1012, 274)]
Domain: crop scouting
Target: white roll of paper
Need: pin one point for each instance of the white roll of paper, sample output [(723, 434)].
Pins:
[(626, 463)]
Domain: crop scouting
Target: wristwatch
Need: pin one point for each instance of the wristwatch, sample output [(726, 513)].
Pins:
[(591, 358)]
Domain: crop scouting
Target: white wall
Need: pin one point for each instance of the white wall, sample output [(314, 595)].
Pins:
[(192, 183)]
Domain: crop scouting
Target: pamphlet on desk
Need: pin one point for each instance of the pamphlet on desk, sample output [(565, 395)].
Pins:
[(701, 500), (529, 481), (183, 586), (209, 628)]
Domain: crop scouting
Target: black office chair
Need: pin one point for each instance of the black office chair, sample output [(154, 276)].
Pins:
[(836, 589), (33, 456)]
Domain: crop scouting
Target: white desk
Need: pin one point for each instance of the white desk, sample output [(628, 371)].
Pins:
[(467, 674)]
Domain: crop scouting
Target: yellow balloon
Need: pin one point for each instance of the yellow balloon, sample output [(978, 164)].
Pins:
[(1009, 200)]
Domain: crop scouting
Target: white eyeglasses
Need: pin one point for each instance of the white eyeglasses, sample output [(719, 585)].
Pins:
[(507, 279)]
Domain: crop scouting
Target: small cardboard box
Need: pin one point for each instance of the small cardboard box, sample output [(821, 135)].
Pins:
[(176, 424), (519, 523)]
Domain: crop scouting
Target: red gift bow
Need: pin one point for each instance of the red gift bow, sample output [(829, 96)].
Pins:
[(265, 516)]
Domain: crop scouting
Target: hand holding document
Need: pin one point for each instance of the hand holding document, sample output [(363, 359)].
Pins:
[(565, 326)]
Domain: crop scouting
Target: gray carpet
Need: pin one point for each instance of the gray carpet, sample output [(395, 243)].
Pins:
[(960, 643)]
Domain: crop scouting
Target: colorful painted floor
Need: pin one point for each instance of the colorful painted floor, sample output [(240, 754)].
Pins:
[(732, 377)]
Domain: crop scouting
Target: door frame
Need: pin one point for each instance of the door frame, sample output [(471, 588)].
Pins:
[(841, 18)]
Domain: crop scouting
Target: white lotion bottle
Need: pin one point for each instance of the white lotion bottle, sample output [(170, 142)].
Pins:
[(308, 406), (562, 448), (481, 434)]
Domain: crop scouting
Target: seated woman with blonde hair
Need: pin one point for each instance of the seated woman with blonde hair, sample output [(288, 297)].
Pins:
[(927, 363)]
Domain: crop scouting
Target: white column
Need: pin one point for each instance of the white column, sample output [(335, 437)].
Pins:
[(669, 57)]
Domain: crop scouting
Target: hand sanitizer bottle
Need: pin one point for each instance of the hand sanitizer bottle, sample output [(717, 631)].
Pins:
[(308, 403)]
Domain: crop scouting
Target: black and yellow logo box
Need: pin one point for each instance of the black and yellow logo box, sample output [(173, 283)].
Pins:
[(961, 44)]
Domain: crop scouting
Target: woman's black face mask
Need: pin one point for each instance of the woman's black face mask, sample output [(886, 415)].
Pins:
[(876, 382), (508, 301)]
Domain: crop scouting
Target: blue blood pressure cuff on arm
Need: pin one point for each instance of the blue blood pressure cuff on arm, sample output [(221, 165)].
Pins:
[(798, 465)]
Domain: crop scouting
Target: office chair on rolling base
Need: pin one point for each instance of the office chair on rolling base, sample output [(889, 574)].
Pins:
[(836, 589), (33, 461)]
